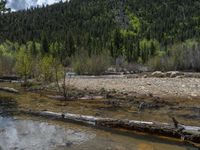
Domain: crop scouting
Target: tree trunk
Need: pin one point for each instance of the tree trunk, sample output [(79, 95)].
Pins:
[(186, 133), (64, 86), (10, 90), (57, 80)]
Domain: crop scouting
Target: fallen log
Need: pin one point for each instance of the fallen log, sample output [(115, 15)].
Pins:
[(57, 97), (10, 90), (1, 80), (10, 78), (185, 133), (92, 98)]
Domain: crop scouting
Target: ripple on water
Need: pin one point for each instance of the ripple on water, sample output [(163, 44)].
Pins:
[(35, 135)]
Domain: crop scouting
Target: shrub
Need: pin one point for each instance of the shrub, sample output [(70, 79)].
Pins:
[(7, 60), (46, 68), (94, 65), (161, 62), (6, 65), (183, 56)]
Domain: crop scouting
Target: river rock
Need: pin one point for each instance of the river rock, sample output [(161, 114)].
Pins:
[(173, 74), (158, 74), (194, 94), (144, 76)]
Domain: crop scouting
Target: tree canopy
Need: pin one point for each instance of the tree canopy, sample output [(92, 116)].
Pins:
[(133, 29)]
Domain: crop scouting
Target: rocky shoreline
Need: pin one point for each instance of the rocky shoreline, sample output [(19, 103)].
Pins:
[(170, 84)]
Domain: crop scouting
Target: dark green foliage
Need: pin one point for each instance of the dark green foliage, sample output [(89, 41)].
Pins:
[(75, 23), (134, 29), (45, 44), (69, 45), (117, 44)]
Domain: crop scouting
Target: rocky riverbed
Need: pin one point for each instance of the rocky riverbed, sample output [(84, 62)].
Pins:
[(143, 85)]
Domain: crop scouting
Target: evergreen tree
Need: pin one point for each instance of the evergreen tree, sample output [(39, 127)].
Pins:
[(45, 44), (93, 26), (69, 45)]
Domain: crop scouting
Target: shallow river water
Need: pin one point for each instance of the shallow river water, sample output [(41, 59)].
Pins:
[(22, 132), (32, 133)]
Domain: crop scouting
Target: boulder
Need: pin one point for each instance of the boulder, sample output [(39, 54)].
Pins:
[(192, 75), (173, 74), (144, 76), (158, 74)]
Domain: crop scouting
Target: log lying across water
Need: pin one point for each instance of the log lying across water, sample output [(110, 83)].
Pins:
[(10, 90), (186, 133)]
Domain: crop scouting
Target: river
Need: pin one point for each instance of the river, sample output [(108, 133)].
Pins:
[(23, 132), (33, 133)]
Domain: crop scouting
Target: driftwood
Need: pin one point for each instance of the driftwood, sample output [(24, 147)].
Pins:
[(92, 98), (9, 79), (57, 97), (185, 133), (10, 90), (2, 80)]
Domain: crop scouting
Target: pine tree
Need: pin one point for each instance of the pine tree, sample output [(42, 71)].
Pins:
[(69, 45), (45, 44)]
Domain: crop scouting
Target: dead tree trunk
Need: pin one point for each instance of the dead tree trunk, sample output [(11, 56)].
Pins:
[(64, 86), (10, 90), (186, 133)]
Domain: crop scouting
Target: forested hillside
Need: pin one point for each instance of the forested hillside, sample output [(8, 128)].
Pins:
[(138, 30)]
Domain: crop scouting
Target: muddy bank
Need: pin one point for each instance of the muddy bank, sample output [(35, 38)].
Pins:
[(112, 104)]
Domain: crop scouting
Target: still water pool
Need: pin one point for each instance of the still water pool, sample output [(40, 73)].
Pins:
[(30, 133)]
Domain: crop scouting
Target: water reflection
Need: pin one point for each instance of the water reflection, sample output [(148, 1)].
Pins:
[(29, 133), (34, 135), (7, 106)]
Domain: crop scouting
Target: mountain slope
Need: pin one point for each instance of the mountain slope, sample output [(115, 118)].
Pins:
[(117, 25)]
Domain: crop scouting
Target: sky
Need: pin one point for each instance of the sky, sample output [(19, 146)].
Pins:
[(23, 4)]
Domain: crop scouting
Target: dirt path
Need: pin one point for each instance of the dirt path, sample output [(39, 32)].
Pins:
[(163, 87)]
